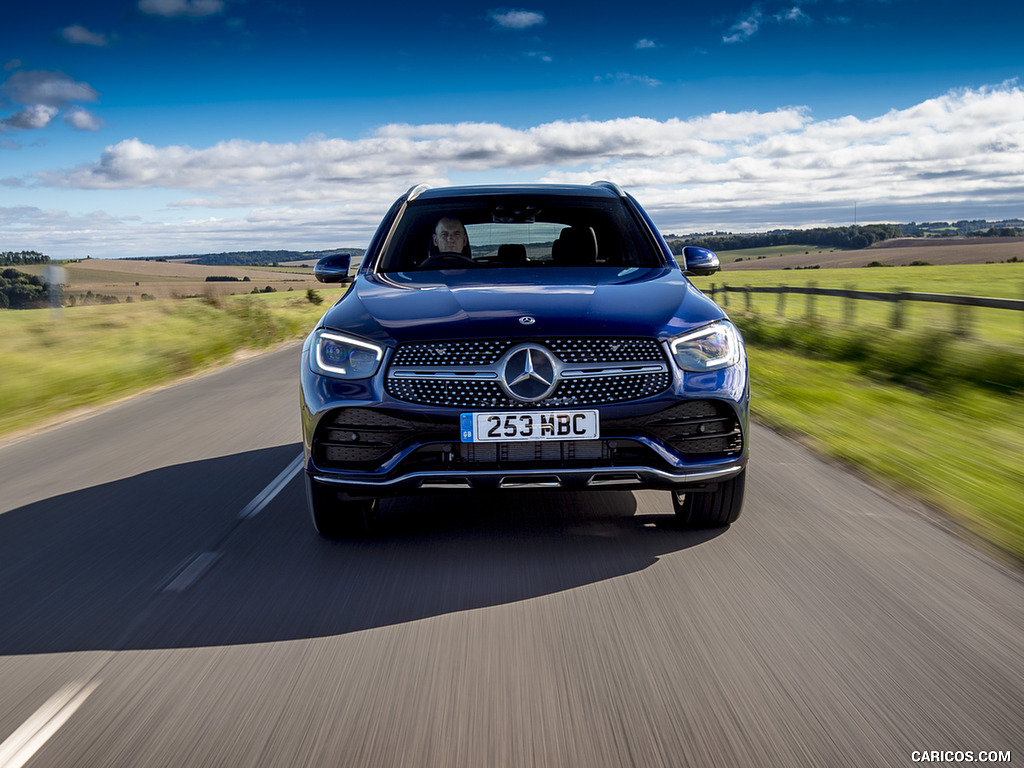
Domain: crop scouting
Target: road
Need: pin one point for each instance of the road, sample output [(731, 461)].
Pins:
[(146, 621)]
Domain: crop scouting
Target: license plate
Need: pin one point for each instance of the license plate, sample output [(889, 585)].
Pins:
[(528, 426)]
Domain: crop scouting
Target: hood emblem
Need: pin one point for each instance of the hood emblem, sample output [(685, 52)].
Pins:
[(529, 373), (527, 320)]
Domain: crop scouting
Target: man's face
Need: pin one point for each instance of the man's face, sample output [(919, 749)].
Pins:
[(450, 235)]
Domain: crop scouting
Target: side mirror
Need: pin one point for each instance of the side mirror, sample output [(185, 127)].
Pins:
[(699, 261), (333, 269)]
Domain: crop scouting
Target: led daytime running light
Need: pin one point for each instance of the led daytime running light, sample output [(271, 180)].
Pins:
[(709, 348), (346, 357)]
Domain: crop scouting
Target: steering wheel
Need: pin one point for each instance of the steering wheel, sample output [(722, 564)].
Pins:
[(447, 260)]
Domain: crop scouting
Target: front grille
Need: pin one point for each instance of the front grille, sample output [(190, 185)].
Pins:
[(450, 353), (465, 374), (488, 351), (612, 389), (489, 394), (598, 350)]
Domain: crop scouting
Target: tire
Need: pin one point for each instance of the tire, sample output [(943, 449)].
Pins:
[(335, 517), (715, 508)]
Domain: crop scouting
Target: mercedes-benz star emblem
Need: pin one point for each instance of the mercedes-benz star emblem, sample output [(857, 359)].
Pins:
[(527, 320), (529, 373)]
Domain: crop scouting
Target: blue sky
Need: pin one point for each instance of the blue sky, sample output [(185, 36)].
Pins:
[(157, 127)]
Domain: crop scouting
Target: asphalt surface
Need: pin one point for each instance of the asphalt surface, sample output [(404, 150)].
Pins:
[(160, 607)]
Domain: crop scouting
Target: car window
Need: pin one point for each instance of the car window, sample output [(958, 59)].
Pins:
[(511, 233)]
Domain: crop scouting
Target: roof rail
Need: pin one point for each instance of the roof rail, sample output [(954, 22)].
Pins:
[(416, 190), (610, 185)]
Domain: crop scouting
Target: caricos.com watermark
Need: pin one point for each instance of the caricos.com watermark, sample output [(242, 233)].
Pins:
[(960, 756)]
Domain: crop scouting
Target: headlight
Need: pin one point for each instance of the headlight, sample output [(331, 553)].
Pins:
[(345, 357), (714, 346)]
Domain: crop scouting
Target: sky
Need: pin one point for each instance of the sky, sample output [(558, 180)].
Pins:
[(164, 127)]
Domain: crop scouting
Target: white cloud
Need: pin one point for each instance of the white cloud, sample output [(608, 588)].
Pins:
[(625, 77), (51, 88), (172, 8), (79, 35), (964, 149), (43, 94), (82, 120), (794, 15), (750, 23), (31, 117), (644, 44), (744, 28), (517, 19), (406, 153)]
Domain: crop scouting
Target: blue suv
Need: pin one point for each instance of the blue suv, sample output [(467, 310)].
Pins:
[(519, 337)]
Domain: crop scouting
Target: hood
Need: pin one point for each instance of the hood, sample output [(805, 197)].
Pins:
[(488, 303)]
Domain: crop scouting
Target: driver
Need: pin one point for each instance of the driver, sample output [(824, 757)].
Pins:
[(450, 236)]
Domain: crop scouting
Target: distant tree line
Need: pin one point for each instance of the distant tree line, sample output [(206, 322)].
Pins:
[(825, 237), (964, 227), (85, 299), (254, 258), (1000, 232), (242, 258), (21, 291), (10, 258)]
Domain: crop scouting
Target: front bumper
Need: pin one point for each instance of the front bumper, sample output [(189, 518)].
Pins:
[(621, 478), (369, 452), (364, 443)]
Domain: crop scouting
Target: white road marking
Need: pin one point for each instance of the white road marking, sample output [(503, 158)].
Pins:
[(21, 745), (193, 571), (267, 495)]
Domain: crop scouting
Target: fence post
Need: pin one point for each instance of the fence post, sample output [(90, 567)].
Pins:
[(780, 306), (811, 300), (962, 320), (725, 296), (747, 291), (850, 307), (898, 319)]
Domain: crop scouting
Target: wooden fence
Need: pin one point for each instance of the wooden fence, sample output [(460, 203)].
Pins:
[(961, 304)]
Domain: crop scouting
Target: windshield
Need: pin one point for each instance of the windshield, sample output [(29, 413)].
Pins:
[(516, 232)]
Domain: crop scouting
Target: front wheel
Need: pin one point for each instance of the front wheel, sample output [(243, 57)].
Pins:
[(714, 508), (335, 517)]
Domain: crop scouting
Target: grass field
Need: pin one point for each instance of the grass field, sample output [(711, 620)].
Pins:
[(991, 280), (1004, 280), (955, 445), (59, 360), (893, 253), (771, 252), (959, 451), (164, 280)]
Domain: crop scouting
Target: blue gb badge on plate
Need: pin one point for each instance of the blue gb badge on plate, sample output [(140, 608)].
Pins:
[(466, 427)]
